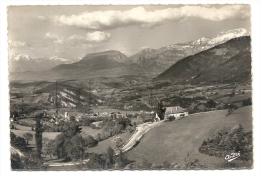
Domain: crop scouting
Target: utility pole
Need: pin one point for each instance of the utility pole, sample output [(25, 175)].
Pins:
[(89, 95), (151, 96), (56, 103), (79, 98)]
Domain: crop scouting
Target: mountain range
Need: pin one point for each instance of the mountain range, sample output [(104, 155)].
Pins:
[(159, 60), (227, 62), (24, 62), (148, 62)]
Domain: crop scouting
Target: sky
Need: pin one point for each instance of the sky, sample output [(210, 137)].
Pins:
[(71, 32)]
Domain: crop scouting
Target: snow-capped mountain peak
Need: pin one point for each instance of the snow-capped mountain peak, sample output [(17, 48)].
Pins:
[(24, 62), (200, 41), (25, 57), (56, 58), (228, 35), (21, 57), (238, 32)]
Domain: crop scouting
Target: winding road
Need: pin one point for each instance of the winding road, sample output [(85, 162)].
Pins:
[(139, 133), (16, 151)]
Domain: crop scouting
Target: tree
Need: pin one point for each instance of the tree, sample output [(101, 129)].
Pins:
[(38, 134), (229, 141), (118, 141), (16, 162), (122, 160), (32, 162), (50, 148), (59, 147), (90, 141), (96, 162), (211, 104), (247, 102), (110, 160), (171, 118), (124, 122), (76, 147), (28, 137), (18, 141), (12, 136), (231, 108), (70, 145), (99, 137), (160, 110)]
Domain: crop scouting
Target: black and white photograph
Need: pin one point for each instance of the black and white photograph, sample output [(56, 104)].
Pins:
[(130, 87)]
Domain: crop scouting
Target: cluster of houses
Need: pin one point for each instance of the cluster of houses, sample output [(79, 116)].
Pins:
[(56, 117)]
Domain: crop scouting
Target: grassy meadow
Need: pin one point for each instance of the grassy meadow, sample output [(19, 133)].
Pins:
[(173, 140), (103, 145)]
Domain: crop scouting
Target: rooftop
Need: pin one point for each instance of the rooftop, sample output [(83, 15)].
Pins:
[(174, 110)]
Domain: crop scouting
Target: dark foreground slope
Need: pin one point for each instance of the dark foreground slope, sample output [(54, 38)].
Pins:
[(228, 62)]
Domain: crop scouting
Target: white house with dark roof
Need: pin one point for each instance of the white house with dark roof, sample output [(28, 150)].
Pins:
[(176, 111)]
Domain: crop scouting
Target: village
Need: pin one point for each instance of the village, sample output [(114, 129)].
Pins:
[(130, 87), (117, 113)]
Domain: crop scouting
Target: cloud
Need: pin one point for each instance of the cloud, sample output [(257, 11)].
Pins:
[(43, 18), (54, 37), (76, 40), (17, 44), (88, 46), (51, 36), (79, 40), (59, 41), (97, 36), (139, 16)]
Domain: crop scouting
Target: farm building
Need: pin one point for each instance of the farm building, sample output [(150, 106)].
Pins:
[(78, 118), (176, 111)]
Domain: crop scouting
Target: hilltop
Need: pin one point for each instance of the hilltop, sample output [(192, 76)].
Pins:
[(158, 60), (112, 63), (227, 62), (171, 141)]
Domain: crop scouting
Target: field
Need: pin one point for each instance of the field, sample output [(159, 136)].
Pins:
[(48, 135), (102, 110), (173, 140), (103, 145), (89, 131)]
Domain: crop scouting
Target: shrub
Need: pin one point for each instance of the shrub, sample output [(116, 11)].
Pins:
[(247, 102), (18, 141), (171, 118), (226, 142)]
